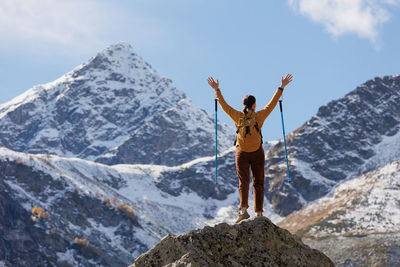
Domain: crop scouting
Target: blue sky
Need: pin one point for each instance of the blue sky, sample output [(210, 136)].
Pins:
[(330, 46)]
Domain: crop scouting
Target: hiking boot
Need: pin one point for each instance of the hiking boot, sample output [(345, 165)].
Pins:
[(243, 215)]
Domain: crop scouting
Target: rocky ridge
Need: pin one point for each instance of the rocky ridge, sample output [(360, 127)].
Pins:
[(346, 138)]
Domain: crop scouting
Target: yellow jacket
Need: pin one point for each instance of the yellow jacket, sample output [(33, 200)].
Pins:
[(253, 143)]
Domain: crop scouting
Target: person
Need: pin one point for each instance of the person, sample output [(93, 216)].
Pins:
[(249, 150)]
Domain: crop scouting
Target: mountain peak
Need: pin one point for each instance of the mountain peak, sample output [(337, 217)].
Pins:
[(119, 58), (89, 110), (114, 103), (119, 46), (119, 51)]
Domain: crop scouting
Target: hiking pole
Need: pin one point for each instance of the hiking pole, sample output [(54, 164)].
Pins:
[(216, 143), (284, 140)]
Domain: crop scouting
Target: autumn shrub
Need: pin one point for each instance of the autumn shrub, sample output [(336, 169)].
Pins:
[(86, 245), (128, 211), (38, 211), (81, 241), (108, 202), (38, 214)]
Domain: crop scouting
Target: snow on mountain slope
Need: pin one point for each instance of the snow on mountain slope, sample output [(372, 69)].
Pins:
[(172, 137), (84, 200), (77, 203), (115, 109), (99, 106), (367, 204), (359, 223), (349, 136)]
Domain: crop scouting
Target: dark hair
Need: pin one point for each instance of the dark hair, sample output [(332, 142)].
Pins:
[(248, 102)]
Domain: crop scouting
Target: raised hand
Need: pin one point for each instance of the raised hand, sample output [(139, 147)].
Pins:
[(212, 83), (287, 80)]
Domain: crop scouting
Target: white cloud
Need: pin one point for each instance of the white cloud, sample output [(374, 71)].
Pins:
[(62, 22), (392, 2), (72, 24), (339, 17)]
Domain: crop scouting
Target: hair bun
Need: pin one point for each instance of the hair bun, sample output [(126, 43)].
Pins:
[(249, 100)]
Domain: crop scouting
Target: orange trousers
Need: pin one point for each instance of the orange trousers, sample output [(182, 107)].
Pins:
[(256, 161)]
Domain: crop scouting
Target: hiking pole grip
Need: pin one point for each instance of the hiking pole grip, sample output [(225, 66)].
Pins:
[(280, 105)]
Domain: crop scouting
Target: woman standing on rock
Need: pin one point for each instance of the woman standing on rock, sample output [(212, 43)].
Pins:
[(249, 150)]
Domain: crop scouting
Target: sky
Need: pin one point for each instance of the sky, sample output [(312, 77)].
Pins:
[(330, 46)]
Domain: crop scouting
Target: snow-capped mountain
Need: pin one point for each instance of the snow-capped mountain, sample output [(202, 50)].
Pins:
[(105, 110), (361, 217), (349, 136)]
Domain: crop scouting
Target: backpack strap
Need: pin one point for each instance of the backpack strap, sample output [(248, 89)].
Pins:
[(258, 130), (237, 131), (247, 131)]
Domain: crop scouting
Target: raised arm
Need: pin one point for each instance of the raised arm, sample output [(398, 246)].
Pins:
[(264, 113), (232, 113)]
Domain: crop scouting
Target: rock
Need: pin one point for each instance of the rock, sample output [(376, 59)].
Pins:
[(256, 242)]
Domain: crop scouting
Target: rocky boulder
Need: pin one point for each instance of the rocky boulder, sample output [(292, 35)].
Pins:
[(255, 242)]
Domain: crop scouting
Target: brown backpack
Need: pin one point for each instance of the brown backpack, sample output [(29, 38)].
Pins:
[(247, 127)]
